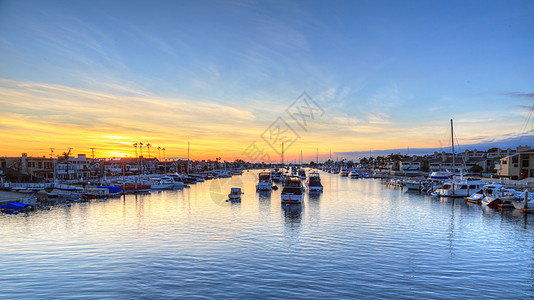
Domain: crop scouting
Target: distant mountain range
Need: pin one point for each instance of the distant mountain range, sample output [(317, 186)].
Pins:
[(504, 144)]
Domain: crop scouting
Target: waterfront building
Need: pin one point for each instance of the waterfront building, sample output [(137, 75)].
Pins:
[(27, 167), (517, 166)]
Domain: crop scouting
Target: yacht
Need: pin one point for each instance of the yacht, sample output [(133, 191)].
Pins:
[(520, 202), (175, 182), (277, 176), (160, 184), (344, 173), (302, 174), (461, 188), (235, 194), (314, 182), (355, 173), (264, 182), (499, 196), (476, 197), (412, 184), (292, 191)]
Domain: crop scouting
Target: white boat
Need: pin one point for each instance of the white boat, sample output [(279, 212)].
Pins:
[(264, 182), (461, 188), (177, 184), (314, 182), (344, 173), (499, 196), (355, 173), (412, 184), (395, 182), (520, 202), (160, 184), (292, 191), (476, 197), (235, 194)]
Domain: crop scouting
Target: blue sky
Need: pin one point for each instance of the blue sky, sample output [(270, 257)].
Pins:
[(389, 74)]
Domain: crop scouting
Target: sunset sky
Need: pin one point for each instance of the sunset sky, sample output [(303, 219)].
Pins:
[(385, 74)]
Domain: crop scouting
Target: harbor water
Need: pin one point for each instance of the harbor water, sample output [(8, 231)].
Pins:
[(358, 239)]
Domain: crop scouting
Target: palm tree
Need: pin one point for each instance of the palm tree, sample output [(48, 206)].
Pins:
[(159, 153), (164, 159), (148, 146), (141, 147), (135, 145)]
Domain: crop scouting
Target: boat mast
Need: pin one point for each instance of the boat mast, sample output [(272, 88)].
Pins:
[(187, 157), (452, 142), (453, 164), (282, 155)]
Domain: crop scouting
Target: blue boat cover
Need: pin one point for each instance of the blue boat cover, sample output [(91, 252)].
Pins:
[(14, 205), (111, 189)]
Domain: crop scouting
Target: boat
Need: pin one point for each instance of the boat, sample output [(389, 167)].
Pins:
[(524, 197), (314, 182), (460, 189), (101, 192), (302, 174), (395, 182), (355, 173), (264, 182), (344, 172), (134, 187), (16, 207), (292, 191), (439, 176), (499, 196), (162, 184), (235, 194), (476, 197), (413, 184), (277, 176)]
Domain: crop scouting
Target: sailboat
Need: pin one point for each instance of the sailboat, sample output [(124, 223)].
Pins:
[(458, 188)]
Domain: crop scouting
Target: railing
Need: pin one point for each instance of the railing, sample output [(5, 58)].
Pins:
[(33, 185)]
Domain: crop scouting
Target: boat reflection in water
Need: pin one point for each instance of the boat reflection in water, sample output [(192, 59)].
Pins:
[(292, 213)]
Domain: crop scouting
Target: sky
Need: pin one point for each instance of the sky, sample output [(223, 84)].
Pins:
[(238, 78)]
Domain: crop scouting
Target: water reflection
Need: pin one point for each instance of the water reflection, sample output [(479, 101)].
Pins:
[(264, 200), (292, 215)]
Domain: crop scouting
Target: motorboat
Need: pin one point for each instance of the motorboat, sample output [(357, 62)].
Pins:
[(476, 197), (355, 173), (264, 182), (395, 182), (302, 174), (499, 196), (520, 202), (292, 191), (277, 176), (412, 184), (235, 194), (162, 184), (461, 188), (344, 172), (314, 182)]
